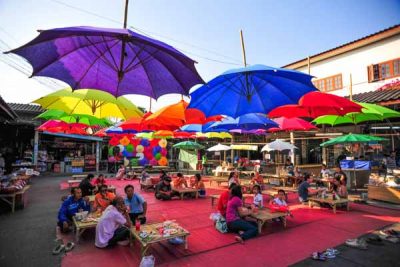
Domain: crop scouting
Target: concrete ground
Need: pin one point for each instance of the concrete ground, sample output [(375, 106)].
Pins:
[(27, 236), (386, 254)]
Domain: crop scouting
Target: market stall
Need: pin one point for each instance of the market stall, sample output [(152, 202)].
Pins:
[(68, 153)]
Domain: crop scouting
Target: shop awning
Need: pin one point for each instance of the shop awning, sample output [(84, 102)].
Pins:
[(75, 136)]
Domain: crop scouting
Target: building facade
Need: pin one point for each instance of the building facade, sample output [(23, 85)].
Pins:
[(357, 67)]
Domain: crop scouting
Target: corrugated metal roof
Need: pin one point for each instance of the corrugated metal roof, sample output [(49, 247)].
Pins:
[(378, 96), (6, 110), (26, 108)]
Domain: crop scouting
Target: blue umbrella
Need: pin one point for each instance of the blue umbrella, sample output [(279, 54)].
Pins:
[(251, 121), (196, 128), (253, 89), (118, 130)]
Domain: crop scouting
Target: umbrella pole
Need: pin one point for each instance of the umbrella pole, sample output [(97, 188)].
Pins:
[(126, 13), (243, 49)]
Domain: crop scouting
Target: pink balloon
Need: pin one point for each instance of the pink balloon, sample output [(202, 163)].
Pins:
[(163, 152)]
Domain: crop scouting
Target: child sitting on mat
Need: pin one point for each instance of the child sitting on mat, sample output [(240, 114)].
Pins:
[(278, 204), (258, 198), (199, 185)]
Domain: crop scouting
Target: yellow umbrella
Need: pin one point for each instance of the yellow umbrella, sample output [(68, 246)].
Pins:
[(91, 102), (221, 135)]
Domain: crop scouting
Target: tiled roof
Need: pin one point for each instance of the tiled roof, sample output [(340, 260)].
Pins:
[(378, 96), (30, 108), (351, 45), (5, 111)]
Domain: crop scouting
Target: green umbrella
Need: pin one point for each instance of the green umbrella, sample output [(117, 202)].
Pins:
[(370, 112), (51, 114), (188, 145), (352, 138), (54, 114)]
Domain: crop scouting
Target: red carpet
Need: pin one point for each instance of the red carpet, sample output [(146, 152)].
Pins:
[(309, 230)]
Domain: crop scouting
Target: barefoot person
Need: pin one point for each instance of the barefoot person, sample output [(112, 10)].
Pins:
[(234, 213), (73, 204), (113, 225)]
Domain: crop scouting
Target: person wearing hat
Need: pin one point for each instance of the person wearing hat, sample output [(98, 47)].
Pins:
[(164, 190)]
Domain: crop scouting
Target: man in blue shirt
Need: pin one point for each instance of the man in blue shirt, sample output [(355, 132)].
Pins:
[(136, 203), (304, 188), (73, 204)]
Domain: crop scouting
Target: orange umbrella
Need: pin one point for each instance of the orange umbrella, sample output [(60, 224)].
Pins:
[(170, 117)]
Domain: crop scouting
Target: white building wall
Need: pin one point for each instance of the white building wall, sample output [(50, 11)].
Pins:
[(356, 63)]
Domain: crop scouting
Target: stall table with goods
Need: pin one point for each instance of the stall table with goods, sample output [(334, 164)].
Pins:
[(385, 188), (149, 234)]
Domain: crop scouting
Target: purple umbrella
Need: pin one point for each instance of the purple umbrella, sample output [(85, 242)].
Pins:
[(118, 61)]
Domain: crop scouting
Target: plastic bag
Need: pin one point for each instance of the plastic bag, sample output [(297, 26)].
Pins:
[(221, 225), (215, 216), (277, 208), (147, 261)]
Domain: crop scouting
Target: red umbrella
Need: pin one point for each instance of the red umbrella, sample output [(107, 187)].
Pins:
[(55, 126), (315, 104), (184, 135), (294, 124)]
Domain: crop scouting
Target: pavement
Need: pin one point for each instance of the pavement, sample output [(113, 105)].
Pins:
[(386, 254), (27, 236)]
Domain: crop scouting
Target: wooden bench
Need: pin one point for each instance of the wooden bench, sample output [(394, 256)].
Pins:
[(218, 180), (330, 201), (7, 196)]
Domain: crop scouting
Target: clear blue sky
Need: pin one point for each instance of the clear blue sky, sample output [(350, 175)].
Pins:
[(276, 32)]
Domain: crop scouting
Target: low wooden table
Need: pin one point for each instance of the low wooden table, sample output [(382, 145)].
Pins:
[(79, 176), (265, 215), (154, 235), (73, 183), (213, 199), (329, 201), (81, 227), (218, 180), (182, 191), (12, 196)]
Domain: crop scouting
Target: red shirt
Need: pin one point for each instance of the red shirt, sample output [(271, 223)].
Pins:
[(223, 203)]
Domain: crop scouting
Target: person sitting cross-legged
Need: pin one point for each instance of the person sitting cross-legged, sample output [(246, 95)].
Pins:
[(199, 185), (163, 189), (180, 181), (73, 204), (234, 214), (113, 225), (136, 204), (103, 198)]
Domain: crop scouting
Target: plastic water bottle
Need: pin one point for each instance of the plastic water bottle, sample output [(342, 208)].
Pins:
[(137, 225)]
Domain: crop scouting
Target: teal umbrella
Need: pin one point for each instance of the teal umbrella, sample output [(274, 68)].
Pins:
[(189, 145), (353, 138)]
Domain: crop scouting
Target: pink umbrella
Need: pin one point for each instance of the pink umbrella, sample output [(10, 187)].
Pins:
[(294, 124)]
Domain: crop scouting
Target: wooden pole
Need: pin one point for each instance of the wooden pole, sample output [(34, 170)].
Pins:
[(126, 13), (351, 88), (121, 64), (308, 64), (243, 49)]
